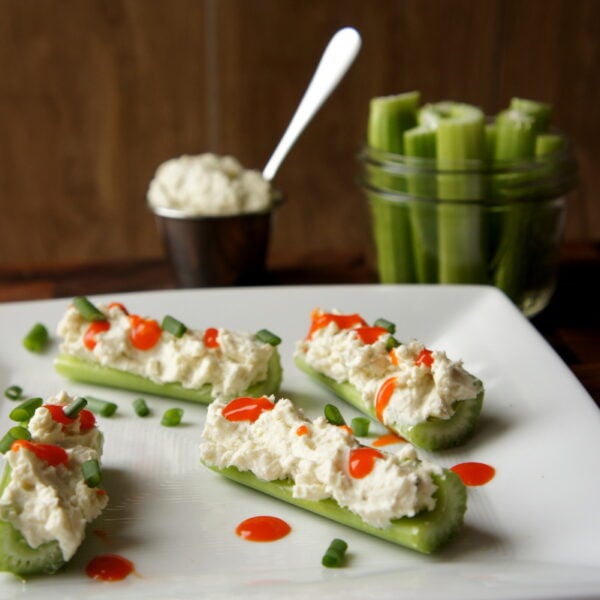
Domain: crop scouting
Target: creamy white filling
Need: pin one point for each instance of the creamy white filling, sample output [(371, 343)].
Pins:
[(420, 392), (208, 184), (45, 502), (238, 362), (317, 462)]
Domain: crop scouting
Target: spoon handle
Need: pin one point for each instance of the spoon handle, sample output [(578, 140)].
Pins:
[(337, 58)]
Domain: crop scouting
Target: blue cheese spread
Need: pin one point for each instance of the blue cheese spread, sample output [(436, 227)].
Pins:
[(237, 362), (421, 390), (314, 454), (45, 502), (208, 184)]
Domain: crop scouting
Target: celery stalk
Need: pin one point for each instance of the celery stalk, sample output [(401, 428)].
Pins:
[(540, 111), (516, 133), (389, 117), (461, 241), (420, 142)]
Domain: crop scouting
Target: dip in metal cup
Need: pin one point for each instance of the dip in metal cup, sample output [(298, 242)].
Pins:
[(220, 250)]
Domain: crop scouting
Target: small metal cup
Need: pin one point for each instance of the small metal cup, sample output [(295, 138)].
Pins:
[(208, 251)]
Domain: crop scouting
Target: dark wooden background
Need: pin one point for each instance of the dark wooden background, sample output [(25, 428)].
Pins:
[(95, 94)]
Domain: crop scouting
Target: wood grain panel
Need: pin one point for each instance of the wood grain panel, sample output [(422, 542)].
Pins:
[(550, 50), (95, 94), (325, 211)]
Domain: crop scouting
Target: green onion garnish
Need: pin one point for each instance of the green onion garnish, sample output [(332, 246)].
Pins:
[(36, 338), (360, 426), (101, 407), (333, 415), (13, 392), (386, 325), (266, 336), (87, 310), (140, 407), (72, 410), (11, 436), (172, 417), (334, 557), (172, 325), (91, 472), (391, 342), (25, 410)]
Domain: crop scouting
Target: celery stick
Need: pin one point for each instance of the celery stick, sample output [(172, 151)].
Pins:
[(389, 117), (516, 133), (426, 532), (78, 369), (540, 111), (419, 142), (515, 136), (547, 144), (461, 242)]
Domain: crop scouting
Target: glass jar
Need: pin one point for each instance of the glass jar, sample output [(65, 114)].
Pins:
[(471, 221)]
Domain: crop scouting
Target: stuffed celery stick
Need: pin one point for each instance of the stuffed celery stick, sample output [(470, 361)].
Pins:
[(49, 491), (272, 447), (418, 393), (106, 345)]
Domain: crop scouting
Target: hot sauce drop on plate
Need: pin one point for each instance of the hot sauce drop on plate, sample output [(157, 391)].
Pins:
[(263, 529), (109, 567), (474, 473)]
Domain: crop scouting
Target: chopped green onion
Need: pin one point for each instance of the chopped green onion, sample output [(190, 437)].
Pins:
[(386, 325), (91, 472), (333, 415), (13, 392), (140, 407), (172, 325), (264, 335), (334, 557), (172, 417), (360, 426), (11, 436), (25, 410), (87, 310), (36, 338), (72, 410), (391, 342), (101, 407)]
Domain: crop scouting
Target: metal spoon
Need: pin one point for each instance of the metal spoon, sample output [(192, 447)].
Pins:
[(336, 60)]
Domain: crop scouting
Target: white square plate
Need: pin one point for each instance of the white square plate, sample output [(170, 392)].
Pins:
[(532, 532)]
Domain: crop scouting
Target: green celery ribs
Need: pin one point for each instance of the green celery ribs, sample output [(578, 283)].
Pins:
[(426, 532), (89, 372), (433, 434), (16, 556)]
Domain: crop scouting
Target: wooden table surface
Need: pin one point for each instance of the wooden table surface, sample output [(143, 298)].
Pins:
[(571, 322)]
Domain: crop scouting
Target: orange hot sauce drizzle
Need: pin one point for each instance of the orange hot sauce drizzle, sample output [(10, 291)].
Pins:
[(86, 418), (210, 338), (120, 306), (262, 529), (246, 409), (144, 333), (369, 335), (53, 455), (474, 473), (109, 567), (302, 430), (321, 320), (425, 358), (89, 337), (361, 461), (388, 439), (384, 393)]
